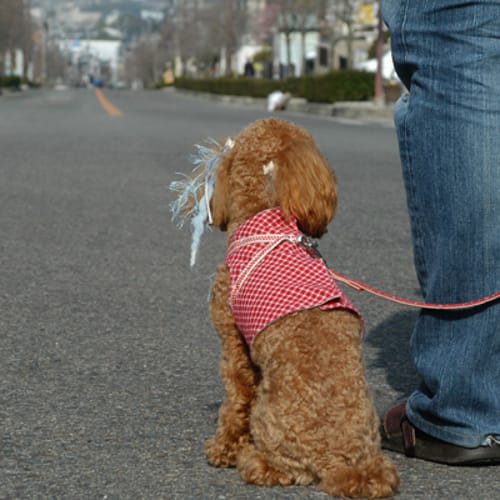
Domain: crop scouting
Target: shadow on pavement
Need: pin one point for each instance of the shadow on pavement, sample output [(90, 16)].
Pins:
[(391, 338)]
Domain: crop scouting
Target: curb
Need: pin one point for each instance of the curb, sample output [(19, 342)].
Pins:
[(346, 109)]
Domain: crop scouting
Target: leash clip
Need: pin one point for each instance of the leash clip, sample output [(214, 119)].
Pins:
[(309, 244)]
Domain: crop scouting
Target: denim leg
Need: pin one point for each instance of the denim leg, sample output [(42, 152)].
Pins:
[(447, 52)]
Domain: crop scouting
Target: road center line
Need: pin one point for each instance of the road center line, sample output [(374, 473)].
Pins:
[(107, 106)]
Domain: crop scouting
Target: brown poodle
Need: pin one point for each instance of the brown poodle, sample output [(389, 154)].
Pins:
[(297, 408)]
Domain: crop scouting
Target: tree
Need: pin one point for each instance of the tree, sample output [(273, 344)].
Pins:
[(227, 22), (338, 21), (264, 24), (335, 19), (306, 10), (199, 31), (345, 12), (291, 16), (142, 62)]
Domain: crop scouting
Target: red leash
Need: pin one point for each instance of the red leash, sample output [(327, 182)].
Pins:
[(312, 246), (361, 287)]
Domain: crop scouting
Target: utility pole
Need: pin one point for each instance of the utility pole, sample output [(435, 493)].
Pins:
[(44, 49), (229, 36), (379, 86)]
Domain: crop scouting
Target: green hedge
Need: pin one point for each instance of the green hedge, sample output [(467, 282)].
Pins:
[(13, 82), (343, 85)]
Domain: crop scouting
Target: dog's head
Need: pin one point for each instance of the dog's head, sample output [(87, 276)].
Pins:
[(274, 163), (270, 163)]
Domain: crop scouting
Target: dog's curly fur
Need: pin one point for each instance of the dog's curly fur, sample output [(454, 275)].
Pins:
[(297, 407)]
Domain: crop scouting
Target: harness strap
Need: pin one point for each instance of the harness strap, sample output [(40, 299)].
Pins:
[(273, 240)]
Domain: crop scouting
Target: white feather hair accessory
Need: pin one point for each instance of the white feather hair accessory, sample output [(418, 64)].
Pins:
[(205, 161)]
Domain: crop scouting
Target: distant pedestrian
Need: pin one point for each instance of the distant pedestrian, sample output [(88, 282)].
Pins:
[(249, 69)]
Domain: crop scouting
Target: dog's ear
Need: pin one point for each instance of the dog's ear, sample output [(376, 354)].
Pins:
[(220, 198), (305, 186)]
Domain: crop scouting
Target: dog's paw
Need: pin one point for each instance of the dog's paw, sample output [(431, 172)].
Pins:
[(378, 479), (220, 453), (255, 469)]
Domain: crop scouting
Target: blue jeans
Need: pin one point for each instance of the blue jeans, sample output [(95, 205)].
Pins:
[(447, 53)]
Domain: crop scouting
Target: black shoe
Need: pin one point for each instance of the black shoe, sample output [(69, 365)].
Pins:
[(399, 435)]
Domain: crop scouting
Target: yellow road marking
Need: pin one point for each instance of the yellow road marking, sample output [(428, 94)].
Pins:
[(107, 106)]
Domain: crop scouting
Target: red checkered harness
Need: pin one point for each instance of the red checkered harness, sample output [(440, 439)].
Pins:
[(273, 274)]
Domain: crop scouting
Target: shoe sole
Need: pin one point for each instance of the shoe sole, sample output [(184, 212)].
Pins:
[(427, 448)]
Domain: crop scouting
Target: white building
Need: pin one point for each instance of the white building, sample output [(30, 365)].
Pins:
[(93, 55), (13, 62)]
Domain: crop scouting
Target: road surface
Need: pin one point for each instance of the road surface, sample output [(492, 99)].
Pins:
[(108, 364)]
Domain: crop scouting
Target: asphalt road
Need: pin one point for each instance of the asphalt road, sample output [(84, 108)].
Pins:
[(108, 364)]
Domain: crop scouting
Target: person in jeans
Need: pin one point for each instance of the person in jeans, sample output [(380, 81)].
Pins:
[(447, 53)]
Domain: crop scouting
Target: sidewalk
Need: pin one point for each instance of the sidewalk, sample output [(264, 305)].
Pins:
[(348, 109)]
